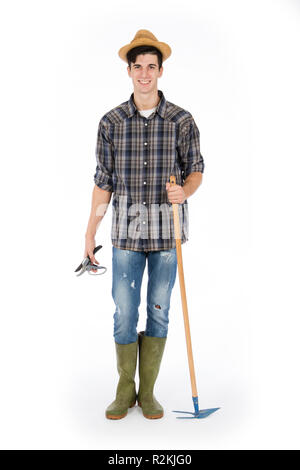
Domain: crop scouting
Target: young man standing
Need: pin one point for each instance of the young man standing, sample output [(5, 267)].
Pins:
[(140, 144)]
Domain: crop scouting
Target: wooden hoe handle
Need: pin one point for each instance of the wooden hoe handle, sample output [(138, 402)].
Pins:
[(183, 293)]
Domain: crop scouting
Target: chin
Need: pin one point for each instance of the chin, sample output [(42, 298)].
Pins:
[(144, 90)]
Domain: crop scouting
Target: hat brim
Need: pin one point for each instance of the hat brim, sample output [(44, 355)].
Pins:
[(161, 46)]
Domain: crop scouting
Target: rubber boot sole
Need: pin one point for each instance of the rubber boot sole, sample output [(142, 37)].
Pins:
[(119, 416), (157, 416)]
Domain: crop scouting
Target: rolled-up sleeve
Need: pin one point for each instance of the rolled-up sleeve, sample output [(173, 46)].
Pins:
[(105, 159), (189, 149)]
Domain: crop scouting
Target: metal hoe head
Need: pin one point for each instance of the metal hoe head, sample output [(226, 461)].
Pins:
[(197, 414)]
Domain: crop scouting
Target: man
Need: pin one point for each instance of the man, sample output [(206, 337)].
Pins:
[(140, 144)]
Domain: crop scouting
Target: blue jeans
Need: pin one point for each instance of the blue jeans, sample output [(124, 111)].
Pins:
[(128, 269)]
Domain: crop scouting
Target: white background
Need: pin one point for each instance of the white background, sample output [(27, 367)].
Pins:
[(235, 67)]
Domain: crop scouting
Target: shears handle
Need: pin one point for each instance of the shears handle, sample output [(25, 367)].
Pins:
[(97, 248), (103, 269)]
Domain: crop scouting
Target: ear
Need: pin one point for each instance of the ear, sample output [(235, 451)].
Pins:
[(161, 71), (129, 71)]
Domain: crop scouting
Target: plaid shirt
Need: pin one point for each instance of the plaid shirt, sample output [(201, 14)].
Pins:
[(135, 158)]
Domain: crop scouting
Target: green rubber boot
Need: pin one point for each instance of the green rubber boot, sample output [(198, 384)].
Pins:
[(126, 391), (150, 354)]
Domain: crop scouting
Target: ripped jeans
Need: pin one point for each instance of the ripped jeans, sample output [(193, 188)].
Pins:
[(128, 269)]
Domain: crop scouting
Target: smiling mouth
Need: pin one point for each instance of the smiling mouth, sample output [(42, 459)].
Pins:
[(144, 82)]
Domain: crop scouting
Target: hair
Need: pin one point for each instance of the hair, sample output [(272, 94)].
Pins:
[(133, 53)]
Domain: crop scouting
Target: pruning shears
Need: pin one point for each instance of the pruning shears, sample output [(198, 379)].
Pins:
[(87, 265)]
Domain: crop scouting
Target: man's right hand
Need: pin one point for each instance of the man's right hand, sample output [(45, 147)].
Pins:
[(88, 251)]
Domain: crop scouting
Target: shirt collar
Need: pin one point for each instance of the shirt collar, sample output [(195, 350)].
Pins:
[(161, 107)]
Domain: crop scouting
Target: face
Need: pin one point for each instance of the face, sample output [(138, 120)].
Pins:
[(144, 73)]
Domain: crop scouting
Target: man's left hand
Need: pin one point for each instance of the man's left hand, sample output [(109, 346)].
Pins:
[(176, 194)]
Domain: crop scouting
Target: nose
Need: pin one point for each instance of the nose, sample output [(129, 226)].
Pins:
[(144, 74)]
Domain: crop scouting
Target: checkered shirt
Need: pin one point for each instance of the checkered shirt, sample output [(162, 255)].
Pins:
[(135, 158)]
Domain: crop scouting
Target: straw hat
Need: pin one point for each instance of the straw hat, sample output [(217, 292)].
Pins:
[(145, 38)]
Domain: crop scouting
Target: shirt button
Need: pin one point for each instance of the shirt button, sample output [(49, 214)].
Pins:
[(145, 163), (144, 222), (146, 124), (145, 182), (145, 143), (144, 202)]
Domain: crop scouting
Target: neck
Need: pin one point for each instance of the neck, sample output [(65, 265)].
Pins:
[(148, 101)]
